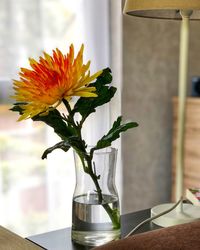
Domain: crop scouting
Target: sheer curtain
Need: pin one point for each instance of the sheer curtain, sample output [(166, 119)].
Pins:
[(35, 195), (103, 36)]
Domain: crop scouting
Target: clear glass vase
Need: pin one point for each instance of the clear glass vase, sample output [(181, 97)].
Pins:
[(96, 213)]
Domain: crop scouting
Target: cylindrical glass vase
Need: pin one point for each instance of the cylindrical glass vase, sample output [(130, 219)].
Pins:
[(96, 212)]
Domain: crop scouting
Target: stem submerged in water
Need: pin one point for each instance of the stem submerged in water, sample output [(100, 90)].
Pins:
[(87, 158), (112, 213)]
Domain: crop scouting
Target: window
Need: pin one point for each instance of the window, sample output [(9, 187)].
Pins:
[(36, 194)]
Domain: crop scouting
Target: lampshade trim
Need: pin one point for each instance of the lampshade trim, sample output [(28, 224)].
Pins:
[(149, 8), (136, 5)]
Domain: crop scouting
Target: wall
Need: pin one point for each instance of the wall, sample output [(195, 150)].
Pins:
[(150, 76)]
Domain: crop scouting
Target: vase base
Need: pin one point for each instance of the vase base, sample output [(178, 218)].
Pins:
[(94, 238)]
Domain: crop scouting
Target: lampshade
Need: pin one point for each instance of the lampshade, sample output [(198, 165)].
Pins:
[(162, 9)]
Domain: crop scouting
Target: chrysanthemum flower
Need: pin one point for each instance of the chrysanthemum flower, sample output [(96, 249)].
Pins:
[(51, 80)]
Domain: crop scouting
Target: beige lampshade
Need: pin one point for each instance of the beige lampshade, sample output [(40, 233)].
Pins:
[(162, 9)]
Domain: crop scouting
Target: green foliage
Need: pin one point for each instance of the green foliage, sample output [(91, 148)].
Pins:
[(53, 119), (62, 145), (86, 106), (69, 142), (18, 107), (69, 130), (114, 133)]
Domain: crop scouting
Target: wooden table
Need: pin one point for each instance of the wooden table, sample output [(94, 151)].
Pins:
[(61, 239), (12, 241)]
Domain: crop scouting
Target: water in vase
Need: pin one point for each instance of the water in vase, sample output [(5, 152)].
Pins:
[(91, 223)]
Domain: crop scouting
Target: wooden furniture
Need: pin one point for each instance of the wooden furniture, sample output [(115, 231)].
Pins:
[(11, 241), (61, 239), (191, 144)]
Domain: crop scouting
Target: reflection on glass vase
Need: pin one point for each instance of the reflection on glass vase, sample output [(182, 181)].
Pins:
[(95, 214)]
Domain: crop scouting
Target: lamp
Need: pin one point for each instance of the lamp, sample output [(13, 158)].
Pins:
[(184, 10)]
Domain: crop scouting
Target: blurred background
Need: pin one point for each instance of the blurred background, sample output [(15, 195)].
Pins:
[(35, 194)]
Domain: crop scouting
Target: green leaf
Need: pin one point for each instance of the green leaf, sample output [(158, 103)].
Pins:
[(86, 106), (77, 144), (62, 145), (73, 141), (17, 107), (114, 133), (53, 119)]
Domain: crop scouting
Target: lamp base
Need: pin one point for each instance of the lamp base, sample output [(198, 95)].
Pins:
[(184, 214)]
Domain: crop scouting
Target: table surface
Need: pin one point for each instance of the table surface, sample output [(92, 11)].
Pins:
[(61, 239)]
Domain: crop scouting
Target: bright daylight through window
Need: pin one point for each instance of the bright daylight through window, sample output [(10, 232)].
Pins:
[(35, 194)]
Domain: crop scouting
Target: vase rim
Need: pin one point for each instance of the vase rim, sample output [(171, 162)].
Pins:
[(100, 151), (106, 150)]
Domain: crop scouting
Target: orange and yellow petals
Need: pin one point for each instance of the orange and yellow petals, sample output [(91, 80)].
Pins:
[(51, 79), (31, 110), (86, 92), (89, 79)]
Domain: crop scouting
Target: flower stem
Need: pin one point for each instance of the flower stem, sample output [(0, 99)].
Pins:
[(112, 213)]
